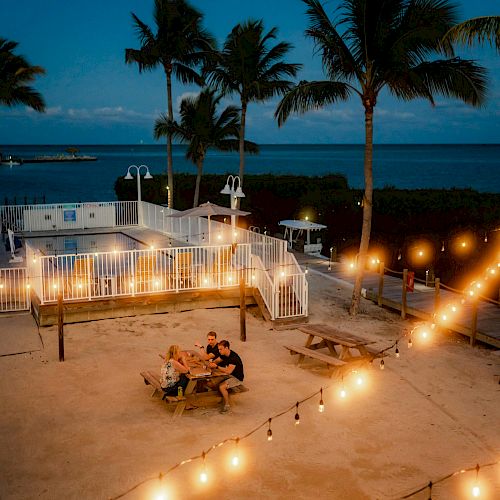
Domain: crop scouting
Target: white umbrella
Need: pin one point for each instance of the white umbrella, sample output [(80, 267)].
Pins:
[(207, 210)]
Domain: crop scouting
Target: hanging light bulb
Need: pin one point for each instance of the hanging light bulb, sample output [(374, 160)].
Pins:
[(203, 474), (235, 461), (321, 407), (343, 392), (397, 351), (297, 417), (410, 343), (306, 270), (382, 364), (476, 490), (269, 432)]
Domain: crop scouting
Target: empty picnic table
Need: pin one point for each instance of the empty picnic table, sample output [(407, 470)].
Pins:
[(341, 347)]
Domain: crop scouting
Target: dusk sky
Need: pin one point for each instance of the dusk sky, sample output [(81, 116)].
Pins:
[(93, 97)]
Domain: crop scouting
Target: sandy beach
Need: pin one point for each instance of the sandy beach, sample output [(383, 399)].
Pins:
[(88, 428)]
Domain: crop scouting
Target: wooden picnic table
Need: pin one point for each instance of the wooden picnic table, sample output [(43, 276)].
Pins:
[(341, 347), (192, 398)]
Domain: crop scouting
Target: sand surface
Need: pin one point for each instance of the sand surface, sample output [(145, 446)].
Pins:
[(88, 428)]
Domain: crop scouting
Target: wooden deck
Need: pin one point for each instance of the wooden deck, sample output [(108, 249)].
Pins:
[(420, 303)]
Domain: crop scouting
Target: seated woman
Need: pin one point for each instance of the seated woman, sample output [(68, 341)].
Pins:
[(173, 372)]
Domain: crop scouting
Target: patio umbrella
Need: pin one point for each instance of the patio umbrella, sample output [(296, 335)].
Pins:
[(207, 210)]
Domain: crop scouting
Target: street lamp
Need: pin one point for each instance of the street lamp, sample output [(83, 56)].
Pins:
[(234, 195), (129, 177)]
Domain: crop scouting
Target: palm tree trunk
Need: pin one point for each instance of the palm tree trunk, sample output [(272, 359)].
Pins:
[(170, 170), (196, 199), (242, 145), (367, 211)]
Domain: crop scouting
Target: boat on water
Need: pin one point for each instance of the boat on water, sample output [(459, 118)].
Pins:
[(11, 161)]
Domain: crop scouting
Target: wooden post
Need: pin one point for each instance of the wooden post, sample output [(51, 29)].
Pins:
[(437, 295), (243, 325), (380, 283), (403, 296), (473, 328), (60, 324)]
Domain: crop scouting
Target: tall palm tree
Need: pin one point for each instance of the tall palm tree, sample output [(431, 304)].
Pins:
[(478, 29), (247, 66), (179, 45), (202, 128), (392, 44), (16, 73)]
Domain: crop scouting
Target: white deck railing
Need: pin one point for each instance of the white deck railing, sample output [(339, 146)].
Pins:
[(14, 289), (92, 276), (277, 275)]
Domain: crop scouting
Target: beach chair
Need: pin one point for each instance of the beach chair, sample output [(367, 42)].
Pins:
[(184, 263), (82, 280), (223, 267), (145, 275)]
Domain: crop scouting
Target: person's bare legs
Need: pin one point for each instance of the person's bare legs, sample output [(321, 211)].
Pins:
[(225, 394)]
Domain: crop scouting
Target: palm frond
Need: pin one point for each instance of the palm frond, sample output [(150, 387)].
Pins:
[(307, 96), (479, 30)]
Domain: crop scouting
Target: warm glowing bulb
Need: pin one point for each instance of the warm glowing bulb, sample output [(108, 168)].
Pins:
[(203, 477), (157, 283), (410, 343), (478, 285), (54, 285), (297, 419), (424, 334), (359, 380), (351, 265), (235, 461), (321, 407), (464, 244), (27, 286), (382, 364), (492, 271), (79, 285), (454, 308), (471, 293), (152, 247), (115, 251), (444, 317), (269, 435), (205, 281), (1, 285), (396, 352), (420, 253), (476, 491), (219, 237), (34, 260), (282, 274), (253, 276), (343, 393)]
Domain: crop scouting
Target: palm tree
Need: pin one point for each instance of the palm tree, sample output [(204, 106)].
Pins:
[(248, 67), (202, 128), (179, 45), (392, 44), (15, 75), (478, 29)]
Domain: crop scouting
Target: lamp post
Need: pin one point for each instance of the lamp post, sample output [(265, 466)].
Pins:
[(129, 177), (234, 194)]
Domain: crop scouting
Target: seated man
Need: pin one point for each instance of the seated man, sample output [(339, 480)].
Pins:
[(231, 365), (212, 350)]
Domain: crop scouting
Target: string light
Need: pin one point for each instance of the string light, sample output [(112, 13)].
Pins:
[(269, 431), (410, 343), (382, 364), (343, 392), (203, 474), (297, 417), (397, 351), (476, 491), (321, 407), (235, 461), (430, 490)]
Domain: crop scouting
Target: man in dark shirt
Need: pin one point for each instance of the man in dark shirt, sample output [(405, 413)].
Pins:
[(212, 350), (231, 365)]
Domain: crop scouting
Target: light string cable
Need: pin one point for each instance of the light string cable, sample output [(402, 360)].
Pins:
[(204, 453), (431, 484)]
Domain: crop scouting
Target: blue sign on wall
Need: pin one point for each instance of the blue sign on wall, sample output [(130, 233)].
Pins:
[(69, 215)]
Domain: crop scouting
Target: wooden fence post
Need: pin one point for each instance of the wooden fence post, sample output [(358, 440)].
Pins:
[(380, 283), (243, 325), (403, 296), (473, 328), (437, 296), (60, 324)]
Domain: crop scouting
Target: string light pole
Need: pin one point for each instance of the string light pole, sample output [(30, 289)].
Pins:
[(129, 177)]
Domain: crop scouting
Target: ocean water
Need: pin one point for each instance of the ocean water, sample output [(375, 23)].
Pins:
[(402, 166)]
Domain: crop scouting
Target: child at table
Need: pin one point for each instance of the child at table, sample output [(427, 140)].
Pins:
[(173, 372)]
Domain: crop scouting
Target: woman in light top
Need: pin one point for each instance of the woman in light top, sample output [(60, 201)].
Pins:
[(173, 372)]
